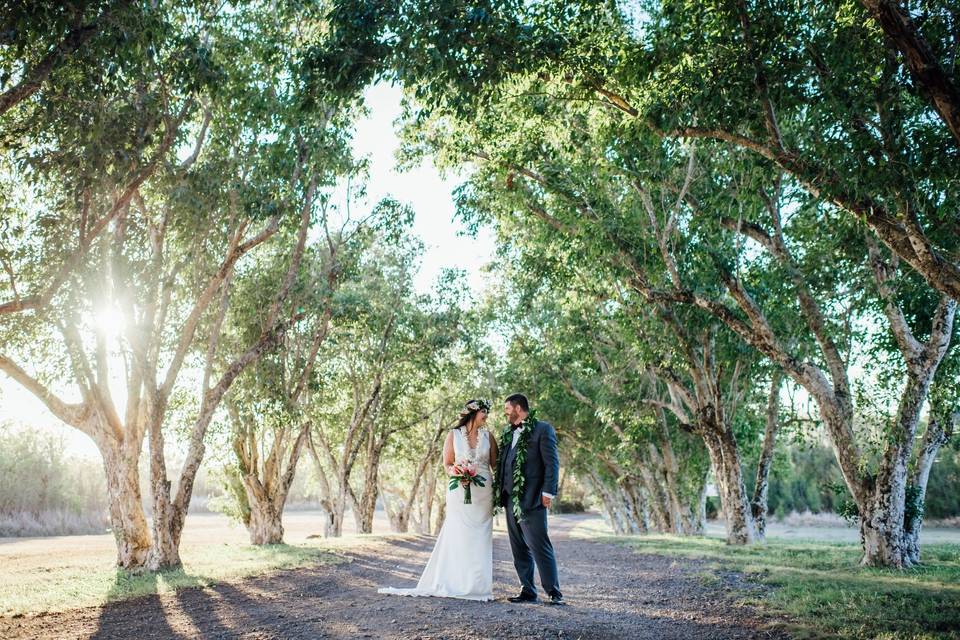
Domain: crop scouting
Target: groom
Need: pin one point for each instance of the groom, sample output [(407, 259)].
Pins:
[(531, 447)]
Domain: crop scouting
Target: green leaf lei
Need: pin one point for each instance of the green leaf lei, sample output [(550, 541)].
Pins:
[(506, 439)]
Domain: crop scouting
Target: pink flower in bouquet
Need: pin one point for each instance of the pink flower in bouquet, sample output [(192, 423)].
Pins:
[(465, 473), (465, 468)]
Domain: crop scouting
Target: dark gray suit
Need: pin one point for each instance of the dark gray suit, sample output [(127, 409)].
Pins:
[(528, 538)]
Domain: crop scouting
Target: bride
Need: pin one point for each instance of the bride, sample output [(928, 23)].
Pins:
[(461, 565)]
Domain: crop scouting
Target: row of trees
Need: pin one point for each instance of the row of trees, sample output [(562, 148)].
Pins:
[(183, 266), (703, 210), (167, 222), (749, 195)]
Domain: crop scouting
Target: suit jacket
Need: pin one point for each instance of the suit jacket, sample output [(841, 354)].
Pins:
[(541, 468)]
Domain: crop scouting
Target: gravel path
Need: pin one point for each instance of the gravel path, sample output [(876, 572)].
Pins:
[(612, 593)]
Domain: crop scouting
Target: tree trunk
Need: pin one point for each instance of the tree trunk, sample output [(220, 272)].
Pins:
[(326, 501), (266, 522), (400, 520), (398, 514), (664, 460), (441, 515), (611, 508), (685, 505), (699, 526), (329, 522), (658, 500), (725, 458), (883, 519), (336, 518), (638, 516), (265, 525), (936, 436), (127, 520), (165, 551), (625, 514), (761, 486), (371, 476), (427, 496), (881, 526)]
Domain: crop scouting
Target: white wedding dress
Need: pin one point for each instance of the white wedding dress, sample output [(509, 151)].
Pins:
[(461, 565)]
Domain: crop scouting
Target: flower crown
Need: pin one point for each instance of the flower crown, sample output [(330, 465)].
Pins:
[(475, 405)]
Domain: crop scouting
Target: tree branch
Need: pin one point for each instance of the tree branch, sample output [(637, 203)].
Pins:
[(72, 414), (924, 67)]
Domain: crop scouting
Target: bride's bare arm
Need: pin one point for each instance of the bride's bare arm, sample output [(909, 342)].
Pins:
[(448, 456), (493, 451)]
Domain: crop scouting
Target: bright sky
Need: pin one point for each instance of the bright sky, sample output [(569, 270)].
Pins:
[(422, 188)]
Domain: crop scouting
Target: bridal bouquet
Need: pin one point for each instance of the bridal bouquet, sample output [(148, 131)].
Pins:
[(466, 471)]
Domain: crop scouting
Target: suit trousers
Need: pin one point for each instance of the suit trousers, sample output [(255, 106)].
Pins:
[(531, 545)]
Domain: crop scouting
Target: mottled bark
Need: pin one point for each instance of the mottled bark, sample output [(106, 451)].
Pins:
[(326, 494), (758, 504), (939, 430), (707, 406), (638, 511), (120, 446), (665, 461), (725, 458), (267, 483), (266, 524), (658, 502), (615, 507), (371, 484), (428, 496), (441, 515), (127, 520), (397, 515), (170, 512), (883, 516), (348, 456)]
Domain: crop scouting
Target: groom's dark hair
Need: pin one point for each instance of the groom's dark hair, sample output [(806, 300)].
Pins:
[(519, 400)]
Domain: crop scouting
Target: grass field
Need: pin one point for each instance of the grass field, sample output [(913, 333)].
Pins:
[(68, 572), (89, 579), (822, 590)]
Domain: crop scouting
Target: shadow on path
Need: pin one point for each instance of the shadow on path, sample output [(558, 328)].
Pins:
[(613, 593)]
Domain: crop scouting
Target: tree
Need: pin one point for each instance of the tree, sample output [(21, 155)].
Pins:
[(151, 296), (90, 194), (268, 427)]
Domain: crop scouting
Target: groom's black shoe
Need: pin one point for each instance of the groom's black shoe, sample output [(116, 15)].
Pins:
[(524, 597)]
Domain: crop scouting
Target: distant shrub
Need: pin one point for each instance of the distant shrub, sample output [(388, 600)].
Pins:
[(51, 523), (45, 492), (569, 506), (943, 491), (232, 500), (713, 507)]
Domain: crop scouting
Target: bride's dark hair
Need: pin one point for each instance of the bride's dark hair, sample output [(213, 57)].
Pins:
[(470, 409)]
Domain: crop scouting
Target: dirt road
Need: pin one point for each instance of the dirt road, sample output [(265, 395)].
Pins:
[(612, 593)]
